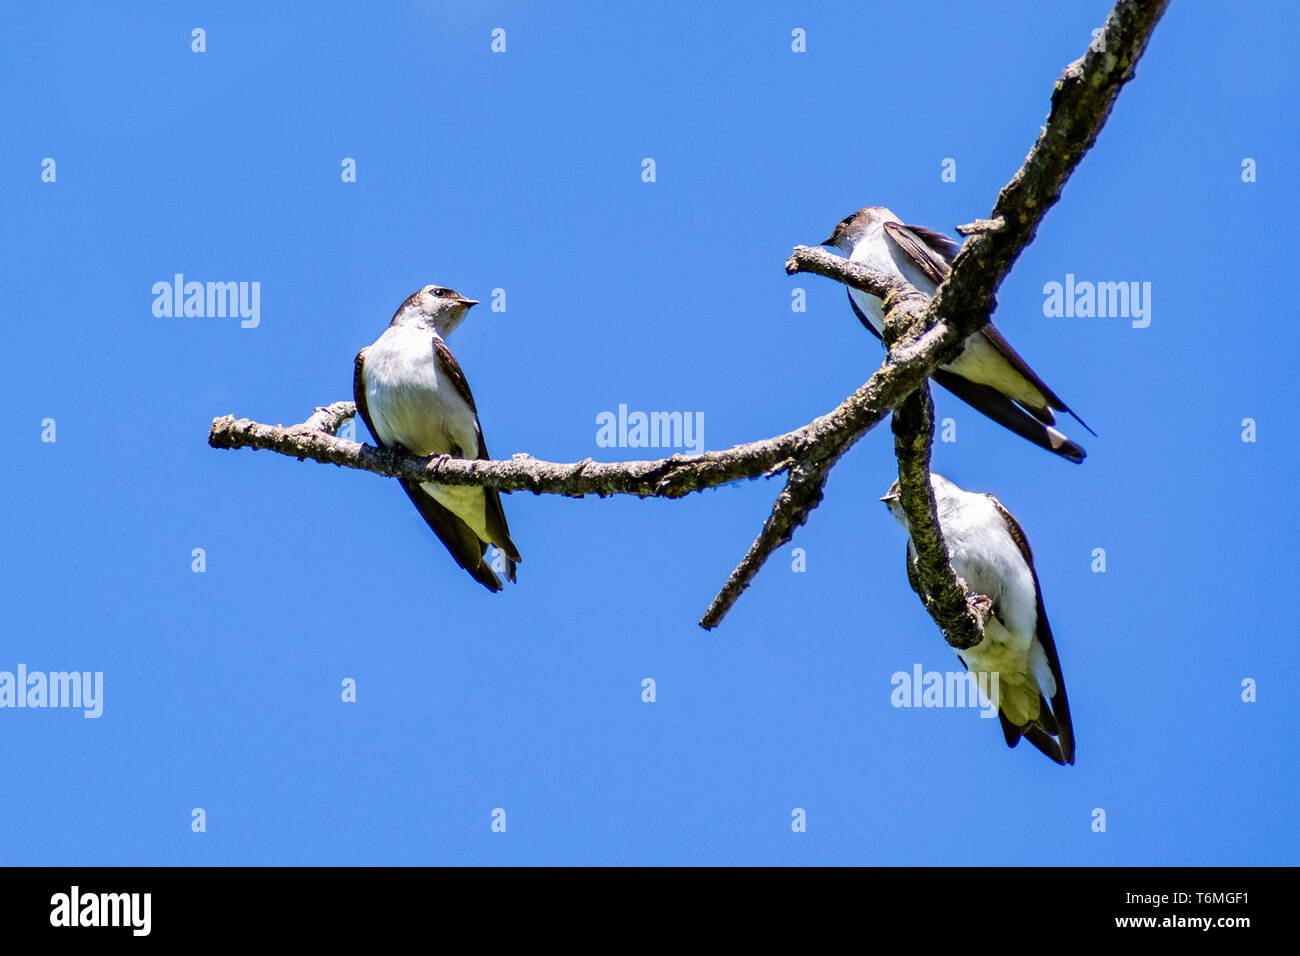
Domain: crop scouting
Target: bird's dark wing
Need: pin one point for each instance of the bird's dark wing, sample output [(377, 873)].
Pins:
[(359, 390), (495, 513), (463, 544), (1060, 710), (930, 263), (496, 518), (1043, 414), (931, 252), (993, 404), (451, 369), (943, 245)]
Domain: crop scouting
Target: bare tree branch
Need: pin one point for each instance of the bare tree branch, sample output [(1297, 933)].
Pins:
[(960, 616), (820, 443), (1081, 102), (802, 493), (330, 418), (922, 334), (817, 261)]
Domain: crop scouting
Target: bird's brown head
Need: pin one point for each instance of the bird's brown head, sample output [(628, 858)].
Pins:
[(435, 307), (852, 228)]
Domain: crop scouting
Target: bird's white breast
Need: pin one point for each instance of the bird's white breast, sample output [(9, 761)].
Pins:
[(875, 251), (410, 399), (987, 558), (412, 402)]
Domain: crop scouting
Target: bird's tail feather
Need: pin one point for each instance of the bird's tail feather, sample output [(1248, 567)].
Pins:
[(1044, 733), (463, 544), (1080, 421), (992, 403)]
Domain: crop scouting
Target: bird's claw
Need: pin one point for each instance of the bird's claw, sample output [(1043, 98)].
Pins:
[(982, 607)]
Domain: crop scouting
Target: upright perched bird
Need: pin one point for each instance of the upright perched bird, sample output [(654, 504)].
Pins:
[(991, 554), (988, 374), (413, 395)]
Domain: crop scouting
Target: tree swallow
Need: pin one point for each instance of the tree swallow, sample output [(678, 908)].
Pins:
[(988, 374), (413, 395), (991, 555)]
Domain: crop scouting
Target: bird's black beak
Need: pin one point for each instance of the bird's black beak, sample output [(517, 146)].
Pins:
[(468, 302), (828, 241)]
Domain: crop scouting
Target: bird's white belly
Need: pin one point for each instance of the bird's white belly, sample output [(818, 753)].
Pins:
[(411, 404), (1010, 647), (997, 570)]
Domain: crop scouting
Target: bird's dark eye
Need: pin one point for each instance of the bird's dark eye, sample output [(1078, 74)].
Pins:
[(440, 292)]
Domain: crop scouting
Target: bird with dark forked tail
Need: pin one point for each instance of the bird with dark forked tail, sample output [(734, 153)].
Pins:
[(412, 394), (991, 554), (988, 374)]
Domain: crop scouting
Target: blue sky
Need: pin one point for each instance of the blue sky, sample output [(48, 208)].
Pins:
[(522, 171)]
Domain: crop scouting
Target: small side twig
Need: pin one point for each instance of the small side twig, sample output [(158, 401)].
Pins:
[(802, 493)]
